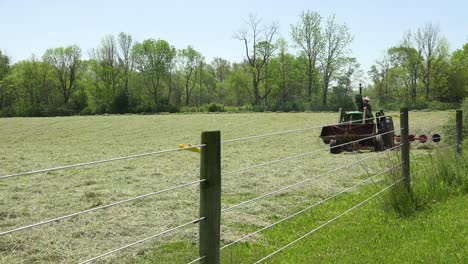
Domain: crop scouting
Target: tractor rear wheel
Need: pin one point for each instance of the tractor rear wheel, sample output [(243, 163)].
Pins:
[(388, 138)]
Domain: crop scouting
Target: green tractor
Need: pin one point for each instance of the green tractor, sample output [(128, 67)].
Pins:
[(359, 130)]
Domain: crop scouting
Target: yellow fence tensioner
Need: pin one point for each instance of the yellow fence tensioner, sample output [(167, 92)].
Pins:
[(189, 148)]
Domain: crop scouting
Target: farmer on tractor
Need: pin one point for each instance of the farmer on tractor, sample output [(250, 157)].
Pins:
[(359, 129), (366, 103)]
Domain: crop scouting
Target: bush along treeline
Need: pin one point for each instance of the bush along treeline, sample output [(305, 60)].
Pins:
[(313, 70)]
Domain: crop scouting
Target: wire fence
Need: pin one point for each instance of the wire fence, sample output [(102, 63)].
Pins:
[(327, 222), (204, 183), (300, 183), (98, 162), (288, 131), (301, 155), (61, 218), (143, 240), (310, 207)]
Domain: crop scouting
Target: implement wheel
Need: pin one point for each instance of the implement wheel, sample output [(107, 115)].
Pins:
[(379, 144), (333, 149)]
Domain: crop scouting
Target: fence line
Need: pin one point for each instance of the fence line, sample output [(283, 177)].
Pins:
[(300, 155), (97, 162), (98, 208), (142, 240), (304, 181), (309, 207), (206, 217), (286, 132), (326, 223)]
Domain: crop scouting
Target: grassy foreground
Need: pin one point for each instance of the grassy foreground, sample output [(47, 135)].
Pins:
[(373, 233), (367, 235), (37, 143)]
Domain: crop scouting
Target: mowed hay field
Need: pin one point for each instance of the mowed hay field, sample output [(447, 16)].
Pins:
[(37, 143)]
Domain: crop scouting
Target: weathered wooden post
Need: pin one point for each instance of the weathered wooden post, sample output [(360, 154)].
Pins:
[(459, 131), (405, 148), (210, 197)]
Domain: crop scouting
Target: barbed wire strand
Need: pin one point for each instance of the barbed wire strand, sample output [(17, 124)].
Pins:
[(299, 155), (98, 162), (301, 182), (287, 132), (309, 207), (198, 259), (142, 240), (328, 222), (98, 208)]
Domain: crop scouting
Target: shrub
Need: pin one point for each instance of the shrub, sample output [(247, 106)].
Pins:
[(7, 112), (258, 108), (120, 103), (87, 111), (168, 108), (215, 107)]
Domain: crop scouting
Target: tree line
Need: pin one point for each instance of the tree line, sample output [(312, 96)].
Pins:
[(314, 70), (419, 71)]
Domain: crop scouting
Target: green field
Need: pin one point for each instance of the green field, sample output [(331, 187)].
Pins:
[(37, 143)]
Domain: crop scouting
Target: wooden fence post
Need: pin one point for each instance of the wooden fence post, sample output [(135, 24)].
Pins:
[(459, 132), (405, 148), (210, 197)]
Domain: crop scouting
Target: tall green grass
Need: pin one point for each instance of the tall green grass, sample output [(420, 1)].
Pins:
[(434, 178)]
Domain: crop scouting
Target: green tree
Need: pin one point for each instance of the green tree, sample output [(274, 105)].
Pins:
[(237, 80), (107, 73), (189, 61), (282, 66), (458, 77), (33, 87), (409, 60), (125, 60), (153, 58), (4, 70), (307, 35), (347, 77), (221, 70), (440, 74), (222, 67), (336, 41), (429, 41), (259, 49), (66, 65)]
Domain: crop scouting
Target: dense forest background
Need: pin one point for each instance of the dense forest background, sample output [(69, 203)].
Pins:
[(313, 70)]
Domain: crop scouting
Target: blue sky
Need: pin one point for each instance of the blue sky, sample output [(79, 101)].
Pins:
[(28, 27)]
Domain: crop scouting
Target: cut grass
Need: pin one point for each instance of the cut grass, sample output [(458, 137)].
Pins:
[(36, 143)]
